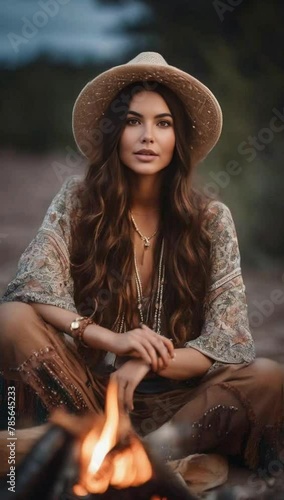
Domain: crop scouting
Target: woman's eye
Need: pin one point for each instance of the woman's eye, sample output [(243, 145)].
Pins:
[(132, 121), (165, 123)]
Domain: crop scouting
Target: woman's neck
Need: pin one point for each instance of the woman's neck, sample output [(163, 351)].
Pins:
[(145, 194)]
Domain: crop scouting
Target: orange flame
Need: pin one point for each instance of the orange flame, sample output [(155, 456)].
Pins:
[(127, 467)]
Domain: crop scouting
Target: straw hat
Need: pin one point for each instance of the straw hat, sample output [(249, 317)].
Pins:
[(90, 125)]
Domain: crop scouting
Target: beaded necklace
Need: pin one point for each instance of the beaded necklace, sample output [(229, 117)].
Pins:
[(159, 292), (120, 322), (120, 325)]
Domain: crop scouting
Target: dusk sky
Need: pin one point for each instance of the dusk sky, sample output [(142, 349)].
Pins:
[(78, 31)]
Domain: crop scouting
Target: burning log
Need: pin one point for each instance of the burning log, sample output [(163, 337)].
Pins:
[(51, 469), (39, 472), (93, 458), (113, 462), (115, 457)]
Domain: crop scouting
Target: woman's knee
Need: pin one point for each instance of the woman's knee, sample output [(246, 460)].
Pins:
[(268, 374)]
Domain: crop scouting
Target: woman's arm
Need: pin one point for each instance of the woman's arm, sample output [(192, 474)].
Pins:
[(137, 343), (225, 336), (98, 337), (187, 363), (44, 281)]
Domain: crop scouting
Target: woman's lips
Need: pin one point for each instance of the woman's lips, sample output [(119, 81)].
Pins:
[(145, 157)]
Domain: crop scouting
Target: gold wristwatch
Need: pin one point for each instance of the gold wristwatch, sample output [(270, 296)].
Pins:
[(75, 325)]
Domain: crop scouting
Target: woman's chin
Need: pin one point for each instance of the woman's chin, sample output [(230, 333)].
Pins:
[(145, 168)]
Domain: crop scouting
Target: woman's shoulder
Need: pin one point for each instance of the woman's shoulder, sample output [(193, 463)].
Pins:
[(60, 211), (224, 241), (218, 208), (70, 188), (67, 197), (218, 216)]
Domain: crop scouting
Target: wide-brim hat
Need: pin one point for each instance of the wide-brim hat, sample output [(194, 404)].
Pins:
[(89, 124)]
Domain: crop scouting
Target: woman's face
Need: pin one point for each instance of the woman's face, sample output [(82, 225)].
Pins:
[(147, 142)]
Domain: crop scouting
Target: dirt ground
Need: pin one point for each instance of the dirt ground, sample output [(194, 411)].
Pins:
[(27, 185)]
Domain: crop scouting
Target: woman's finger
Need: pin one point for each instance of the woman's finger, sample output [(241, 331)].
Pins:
[(153, 335), (128, 397), (150, 346), (169, 345), (164, 353), (152, 353), (160, 350), (143, 345), (142, 351), (161, 365), (121, 386)]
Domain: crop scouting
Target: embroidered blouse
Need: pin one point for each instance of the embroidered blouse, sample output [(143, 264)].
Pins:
[(43, 276)]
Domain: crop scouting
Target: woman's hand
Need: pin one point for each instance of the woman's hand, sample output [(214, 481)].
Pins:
[(146, 344), (127, 377)]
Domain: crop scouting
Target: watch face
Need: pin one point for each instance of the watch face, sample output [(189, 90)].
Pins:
[(75, 324)]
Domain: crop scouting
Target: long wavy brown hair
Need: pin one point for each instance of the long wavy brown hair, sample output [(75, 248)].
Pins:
[(102, 264)]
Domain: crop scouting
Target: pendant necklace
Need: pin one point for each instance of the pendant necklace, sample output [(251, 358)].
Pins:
[(157, 323), (146, 239)]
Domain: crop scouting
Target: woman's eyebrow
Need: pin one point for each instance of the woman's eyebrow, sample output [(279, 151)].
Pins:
[(161, 115)]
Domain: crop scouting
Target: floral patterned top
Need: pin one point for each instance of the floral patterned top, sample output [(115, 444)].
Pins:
[(44, 276)]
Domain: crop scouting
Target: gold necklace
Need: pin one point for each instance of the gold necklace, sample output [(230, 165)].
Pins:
[(145, 239), (119, 324), (159, 293)]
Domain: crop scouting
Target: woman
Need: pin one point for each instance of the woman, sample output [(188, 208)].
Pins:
[(142, 274)]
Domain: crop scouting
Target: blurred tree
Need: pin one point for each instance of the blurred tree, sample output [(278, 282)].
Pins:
[(36, 104), (237, 51)]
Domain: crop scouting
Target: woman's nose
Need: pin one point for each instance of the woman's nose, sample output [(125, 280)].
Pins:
[(147, 135)]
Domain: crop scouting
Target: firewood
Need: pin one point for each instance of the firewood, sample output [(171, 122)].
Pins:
[(24, 441), (202, 472)]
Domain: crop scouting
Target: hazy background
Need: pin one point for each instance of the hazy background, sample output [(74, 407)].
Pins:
[(49, 49)]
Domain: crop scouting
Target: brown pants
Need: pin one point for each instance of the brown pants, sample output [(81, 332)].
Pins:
[(236, 409)]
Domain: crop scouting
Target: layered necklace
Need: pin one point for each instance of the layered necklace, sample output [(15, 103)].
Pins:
[(160, 282), (119, 324)]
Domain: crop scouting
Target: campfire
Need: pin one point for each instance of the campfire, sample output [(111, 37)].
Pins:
[(95, 457), (113, 457)]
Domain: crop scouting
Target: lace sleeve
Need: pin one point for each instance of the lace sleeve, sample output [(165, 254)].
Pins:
[(43, 273), (225, 336)]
